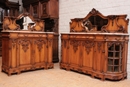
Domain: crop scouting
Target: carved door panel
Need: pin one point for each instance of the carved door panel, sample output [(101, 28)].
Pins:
[(88, 53), (115, 56), (5, 51), (44, 10), (40, 51), (74, 52), (99, 56), (25, 52), (65, 51)]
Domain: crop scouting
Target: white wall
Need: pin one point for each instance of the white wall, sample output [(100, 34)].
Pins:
[(69, 9)]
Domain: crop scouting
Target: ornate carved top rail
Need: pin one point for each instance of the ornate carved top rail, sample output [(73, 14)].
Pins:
[(23, 22), (96, 22)]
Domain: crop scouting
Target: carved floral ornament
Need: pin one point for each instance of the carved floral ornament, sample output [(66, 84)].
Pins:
[(40, 43), (75, 44), (25, 44), (14, 42), (87, 44)]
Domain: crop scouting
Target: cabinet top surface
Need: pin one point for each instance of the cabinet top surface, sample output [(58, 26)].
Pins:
[(10, 31), (82, 33)]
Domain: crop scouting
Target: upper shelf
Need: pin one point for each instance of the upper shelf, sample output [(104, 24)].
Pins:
[(96, 22)]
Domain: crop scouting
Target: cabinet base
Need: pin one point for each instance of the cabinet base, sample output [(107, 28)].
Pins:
[(94, 74), (11, 71)]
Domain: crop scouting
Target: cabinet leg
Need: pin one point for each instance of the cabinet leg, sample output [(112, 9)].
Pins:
[(92, 76), (19, 72), (9, 74), (68, 69), (103, 79)]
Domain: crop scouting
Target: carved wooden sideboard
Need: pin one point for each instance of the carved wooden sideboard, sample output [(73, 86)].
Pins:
[(24, 50), (96, 45), (47, 10)]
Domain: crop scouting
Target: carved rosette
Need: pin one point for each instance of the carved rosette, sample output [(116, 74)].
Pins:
[(25, 43), (75, 44), (88, 45), (40, 43)]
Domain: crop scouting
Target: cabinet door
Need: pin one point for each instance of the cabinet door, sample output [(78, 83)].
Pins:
[(75, 52), (35, 10), (115, 56), (87, 54), (25, 52), (44, 12), (40, 51), (99, 56)]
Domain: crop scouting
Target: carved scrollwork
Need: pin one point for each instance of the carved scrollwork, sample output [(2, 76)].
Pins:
[(112, 17), (99, 44), (75, 44), (88, 45), (103, 29), (25, 43), (39, 43), (121, 29), (14, 42), (116, 43)]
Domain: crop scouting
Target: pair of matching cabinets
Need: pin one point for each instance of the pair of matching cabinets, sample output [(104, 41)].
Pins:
[(101, 55)]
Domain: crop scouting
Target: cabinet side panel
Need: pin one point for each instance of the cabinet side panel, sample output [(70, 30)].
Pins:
[(5, 51), (13, 52)]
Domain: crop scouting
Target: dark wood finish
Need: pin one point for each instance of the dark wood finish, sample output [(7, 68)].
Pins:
[(99, 50), (8, 8), (0, 39), (55, 48)]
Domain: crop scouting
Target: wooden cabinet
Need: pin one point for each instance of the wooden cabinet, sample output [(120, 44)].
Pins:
[(26, 50), (98, 48), (7, 8), (48, 11)]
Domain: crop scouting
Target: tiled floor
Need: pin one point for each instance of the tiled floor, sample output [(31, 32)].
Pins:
[(56, 78)]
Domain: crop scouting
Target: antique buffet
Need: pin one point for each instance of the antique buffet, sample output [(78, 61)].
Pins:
[(25, 47), (96, 45)]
